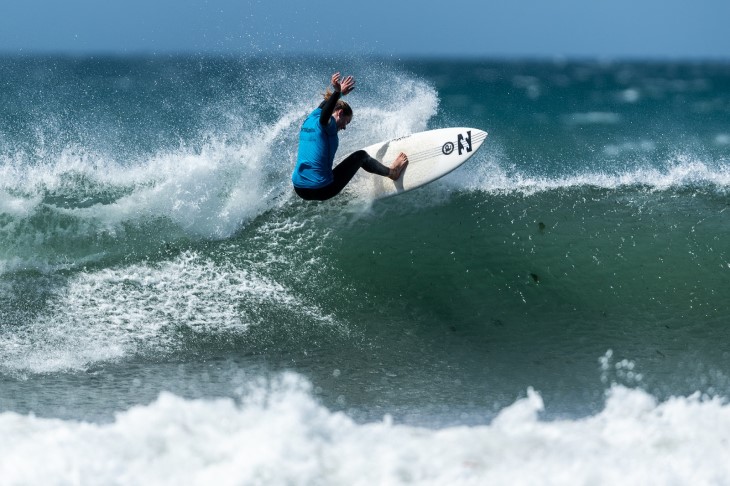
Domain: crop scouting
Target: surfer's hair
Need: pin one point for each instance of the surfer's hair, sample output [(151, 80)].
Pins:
[(341, 104)]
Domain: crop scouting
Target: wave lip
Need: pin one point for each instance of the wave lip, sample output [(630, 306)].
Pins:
[(679, 172)]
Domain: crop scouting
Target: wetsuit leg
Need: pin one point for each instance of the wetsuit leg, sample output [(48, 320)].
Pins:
[(372, 165), (343, 173)]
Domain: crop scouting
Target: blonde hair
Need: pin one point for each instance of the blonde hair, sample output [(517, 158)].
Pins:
[(340, 105)]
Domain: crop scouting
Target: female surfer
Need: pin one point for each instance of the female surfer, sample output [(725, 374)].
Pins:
[(313, 177)]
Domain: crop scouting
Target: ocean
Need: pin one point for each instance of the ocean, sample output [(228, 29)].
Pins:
[(555, 311)]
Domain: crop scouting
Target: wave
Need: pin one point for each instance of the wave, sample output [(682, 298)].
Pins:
[(68, 200), (214, 191), (149, 310), (88, 202), (275, 432), (489, 173)]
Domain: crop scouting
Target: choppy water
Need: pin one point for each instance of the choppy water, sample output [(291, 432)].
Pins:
[(555, 311)]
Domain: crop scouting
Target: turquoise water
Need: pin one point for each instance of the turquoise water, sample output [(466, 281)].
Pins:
[(160, 282)]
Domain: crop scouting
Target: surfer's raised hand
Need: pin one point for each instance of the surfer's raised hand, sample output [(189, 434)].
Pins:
[(347, 84)]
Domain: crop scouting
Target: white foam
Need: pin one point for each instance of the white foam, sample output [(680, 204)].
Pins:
[(490, 175), (116, 313), (402, 111), (17, 207), (209, 186), (208, 192), (278, 434)]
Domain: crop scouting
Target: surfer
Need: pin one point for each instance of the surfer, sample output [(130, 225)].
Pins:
[(313, 177)]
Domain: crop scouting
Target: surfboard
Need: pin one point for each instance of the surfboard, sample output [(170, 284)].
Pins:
[(431, 155)]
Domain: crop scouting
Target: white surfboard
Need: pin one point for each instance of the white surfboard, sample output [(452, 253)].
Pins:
[(431, 155)]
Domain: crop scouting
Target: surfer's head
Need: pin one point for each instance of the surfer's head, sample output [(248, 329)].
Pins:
[(341, 117), (346, 109), (342, 113)]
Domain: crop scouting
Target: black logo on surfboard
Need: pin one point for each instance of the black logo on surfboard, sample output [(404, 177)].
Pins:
[(464, 142)]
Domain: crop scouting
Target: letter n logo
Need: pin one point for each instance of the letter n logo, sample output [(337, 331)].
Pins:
[(462, 140)]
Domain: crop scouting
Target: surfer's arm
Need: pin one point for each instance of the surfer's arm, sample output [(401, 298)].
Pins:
[(328, 107), (330, 102)]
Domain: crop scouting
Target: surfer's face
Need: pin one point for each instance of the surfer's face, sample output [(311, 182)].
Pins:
[(342, 120)]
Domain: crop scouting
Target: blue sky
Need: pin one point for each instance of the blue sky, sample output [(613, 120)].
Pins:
[(454, 28)]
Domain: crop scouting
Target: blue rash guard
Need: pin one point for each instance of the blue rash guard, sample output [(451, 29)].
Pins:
[(318, 142), (314, 178)]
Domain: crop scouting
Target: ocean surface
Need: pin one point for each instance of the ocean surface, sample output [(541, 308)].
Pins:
[(555, 311)]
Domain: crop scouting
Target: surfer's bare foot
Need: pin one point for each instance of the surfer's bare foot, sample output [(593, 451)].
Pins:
[(399, 164)]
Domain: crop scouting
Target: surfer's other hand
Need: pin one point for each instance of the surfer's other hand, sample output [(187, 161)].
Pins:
[(347, 85), (344, 87)]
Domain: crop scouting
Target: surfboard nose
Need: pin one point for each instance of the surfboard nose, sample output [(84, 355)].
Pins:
[(478, 136)]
